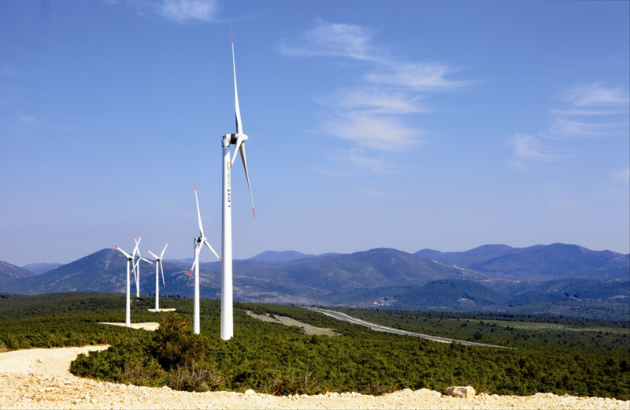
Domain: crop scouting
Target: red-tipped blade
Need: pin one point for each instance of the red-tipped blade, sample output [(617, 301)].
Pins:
[(190, 274), (254, 210), (165, 286), (194, 185), (220, 260)]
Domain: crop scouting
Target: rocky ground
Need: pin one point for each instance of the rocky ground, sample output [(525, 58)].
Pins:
[(39, 378)]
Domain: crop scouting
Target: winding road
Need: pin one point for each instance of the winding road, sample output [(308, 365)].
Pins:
[(380, 328)]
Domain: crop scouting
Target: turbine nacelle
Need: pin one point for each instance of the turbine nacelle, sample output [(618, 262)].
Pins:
[(233, 138)]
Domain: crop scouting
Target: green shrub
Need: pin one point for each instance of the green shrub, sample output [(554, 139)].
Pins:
[(176, 345)]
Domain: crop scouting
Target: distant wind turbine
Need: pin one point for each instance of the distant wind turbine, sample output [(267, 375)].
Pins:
[(128, 274), (199, 242), (238, 139), (136, 264), (158, 266)]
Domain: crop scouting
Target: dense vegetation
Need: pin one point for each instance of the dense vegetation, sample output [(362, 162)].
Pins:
[(559, 355)]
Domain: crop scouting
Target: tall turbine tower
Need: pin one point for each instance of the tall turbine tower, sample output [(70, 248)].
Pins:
[(238, 139), (128, 274), (199, 242), (158, 268)]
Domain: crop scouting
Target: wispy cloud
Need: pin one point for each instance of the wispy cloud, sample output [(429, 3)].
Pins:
[(187, 10), (179, 11), (373, 101), (415, 76), (370, 115), (373, 132), (356, 161), (621, 175), (562, 127), (375, 193), (593, 111), (33, 122), (598, 95), (529, 148), (334, 40)]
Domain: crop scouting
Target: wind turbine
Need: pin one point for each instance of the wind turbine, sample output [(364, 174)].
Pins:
[(136, 264), (128, 312), (238, 139), (199, 242), (158, 265)]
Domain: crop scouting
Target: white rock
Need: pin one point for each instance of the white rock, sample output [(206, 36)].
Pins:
[(249, 392), (460, 391)]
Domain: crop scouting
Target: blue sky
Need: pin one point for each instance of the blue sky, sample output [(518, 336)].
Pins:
[(405, 124)]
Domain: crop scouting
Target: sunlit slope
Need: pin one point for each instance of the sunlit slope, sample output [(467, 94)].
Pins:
[(9, 272)]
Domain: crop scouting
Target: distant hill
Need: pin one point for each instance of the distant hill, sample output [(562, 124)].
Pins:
[(538, 263), (473, 256), (41, 267), (182, 262), (368, 269), (283, 256), (379, 277), (104, 272), (9, 272)]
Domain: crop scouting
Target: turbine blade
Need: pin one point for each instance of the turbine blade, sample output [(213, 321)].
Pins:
[(162, 254), (146, 260), (152, 254), (239, 124), (123, 252), (242, 150), (162, 270), (198, 211), (215, 254)]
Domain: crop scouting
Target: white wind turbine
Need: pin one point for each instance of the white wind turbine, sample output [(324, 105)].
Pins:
[(128, 274), (136, 264), (158, 266), (199, 242), (238, 139)]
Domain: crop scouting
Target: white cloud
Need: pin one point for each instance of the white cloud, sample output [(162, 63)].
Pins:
[(186, 10), (589, 113), (528, 147), (31, 121), (415, 76), (355, 162), (369, 115), (621, 175), (597, 95), (580, 129), (373, 101), (594, 111), (179, 11), (339, 40), (373, 132)]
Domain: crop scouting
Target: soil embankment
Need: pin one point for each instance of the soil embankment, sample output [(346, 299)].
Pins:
[(39, 378)]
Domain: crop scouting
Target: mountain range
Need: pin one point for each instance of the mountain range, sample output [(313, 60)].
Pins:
[(540, 279)]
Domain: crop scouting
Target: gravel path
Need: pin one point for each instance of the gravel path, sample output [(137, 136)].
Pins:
[(39, 379)]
